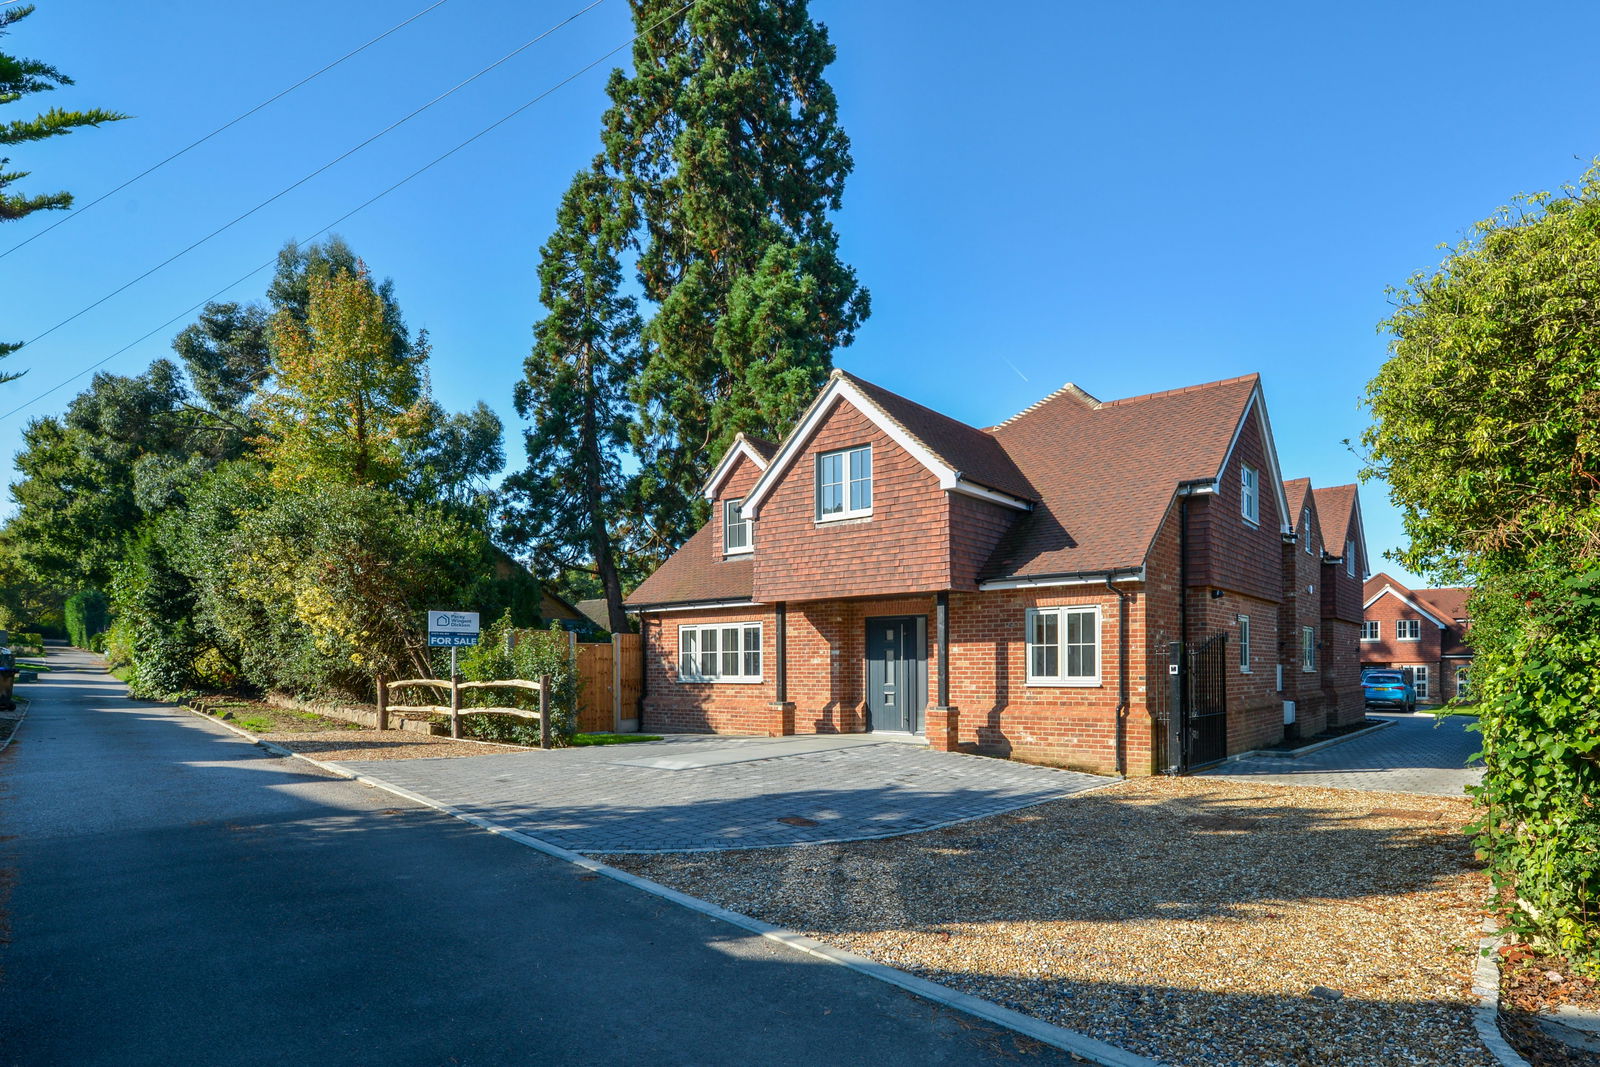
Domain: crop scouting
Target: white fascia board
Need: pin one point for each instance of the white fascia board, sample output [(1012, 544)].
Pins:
[(1134, 577), (710, 605), (740, 447), (1407, 601), (961, 485), (840, 389)]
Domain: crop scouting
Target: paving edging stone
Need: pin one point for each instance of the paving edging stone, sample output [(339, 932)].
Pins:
[(1081, 1045), (1486, 987)]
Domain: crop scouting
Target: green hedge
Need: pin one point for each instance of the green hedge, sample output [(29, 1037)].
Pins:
[(87, 615)]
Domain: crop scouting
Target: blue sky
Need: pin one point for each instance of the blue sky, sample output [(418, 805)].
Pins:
[(1131, 199)]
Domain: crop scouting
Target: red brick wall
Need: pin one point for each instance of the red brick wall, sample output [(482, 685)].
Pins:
[(903, 546), (1227, 552), (1255, 707), (1070, 726), (1341, 672), (1302, 607), (671, 706)]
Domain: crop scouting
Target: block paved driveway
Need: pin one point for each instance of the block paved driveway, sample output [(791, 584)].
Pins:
[(1418, 754), (689, 793)]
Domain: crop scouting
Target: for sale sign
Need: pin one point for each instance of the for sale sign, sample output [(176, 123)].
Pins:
[(450, 629)]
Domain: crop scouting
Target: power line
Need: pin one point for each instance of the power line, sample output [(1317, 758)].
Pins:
[(75, 212), (295, 185), (435, 161)]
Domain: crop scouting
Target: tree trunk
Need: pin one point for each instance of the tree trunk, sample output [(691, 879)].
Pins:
[(605, 560)]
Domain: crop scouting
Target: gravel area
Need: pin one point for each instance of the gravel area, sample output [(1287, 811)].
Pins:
[(1196, 921), (339, 745)]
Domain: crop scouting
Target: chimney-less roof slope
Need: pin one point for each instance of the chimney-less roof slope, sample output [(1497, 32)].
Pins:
[(1106, 472), (696, 573), (976, 455)]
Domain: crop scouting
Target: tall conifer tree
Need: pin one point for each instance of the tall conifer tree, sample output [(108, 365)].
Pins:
[(570, 503), (726, 138)]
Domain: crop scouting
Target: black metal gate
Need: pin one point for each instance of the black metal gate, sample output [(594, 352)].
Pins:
[(1205, 703)]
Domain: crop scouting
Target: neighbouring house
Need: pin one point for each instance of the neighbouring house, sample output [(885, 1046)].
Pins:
[(1320, 617), (1019, 590), (1423, 629)]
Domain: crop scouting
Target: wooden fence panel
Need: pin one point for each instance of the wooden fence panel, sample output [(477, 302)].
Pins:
[(596, 696), (629, 672)]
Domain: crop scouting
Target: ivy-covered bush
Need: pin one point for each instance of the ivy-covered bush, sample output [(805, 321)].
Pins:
[(506, 652), (1538, 647)]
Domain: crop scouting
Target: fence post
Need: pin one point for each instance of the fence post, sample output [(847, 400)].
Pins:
[(544, 711), (383, 704), (616, 683), (455, 705)]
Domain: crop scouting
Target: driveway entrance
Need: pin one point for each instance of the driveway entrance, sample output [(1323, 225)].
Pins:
[(695, 793), (1418, 754)]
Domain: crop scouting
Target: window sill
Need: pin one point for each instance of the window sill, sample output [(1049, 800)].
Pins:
[(737, 551), (854, 516), (1054, 683), (681, 680), (1254, 524), (1246, 670)]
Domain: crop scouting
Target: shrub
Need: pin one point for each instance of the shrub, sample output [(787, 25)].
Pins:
[(505, 652)]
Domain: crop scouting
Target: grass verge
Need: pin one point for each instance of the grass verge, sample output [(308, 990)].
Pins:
[(582, 740)]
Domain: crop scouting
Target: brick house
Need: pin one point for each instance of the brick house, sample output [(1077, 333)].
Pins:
[(1018, 590), (1423, 629)]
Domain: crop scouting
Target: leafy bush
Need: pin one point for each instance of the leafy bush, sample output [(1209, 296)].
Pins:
[(505, 652), (87, 615), (1487, 431), (1539, 826)]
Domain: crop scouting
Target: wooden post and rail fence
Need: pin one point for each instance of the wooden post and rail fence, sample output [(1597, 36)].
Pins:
[(610, 686)]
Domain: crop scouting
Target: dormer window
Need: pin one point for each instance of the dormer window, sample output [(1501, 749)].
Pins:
[(1250, 495), (1350, 558), (844, 484), (1305, 529), (735, 528)]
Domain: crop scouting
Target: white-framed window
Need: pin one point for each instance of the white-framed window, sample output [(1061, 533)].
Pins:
[(1419, 681), (1308, 648), (1064, 645), (1350, 558), (1244, 644), (1250, 494), (1408, 630), (719, 652), (1371, 630), (735, 528), (1305, 529), (844, 483), (1463, 684)]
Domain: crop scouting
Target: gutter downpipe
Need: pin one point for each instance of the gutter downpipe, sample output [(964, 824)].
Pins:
[(1122, 675), (1180, 715)]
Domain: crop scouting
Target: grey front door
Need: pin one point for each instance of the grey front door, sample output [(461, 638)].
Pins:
[(897, 673)]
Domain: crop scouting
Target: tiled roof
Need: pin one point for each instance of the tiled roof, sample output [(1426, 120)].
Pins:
[(1335, 505), (696, 573), (1106, 472), (764, 448), (1450, 602), (1102, 475), (1296, 490), (976, 455)]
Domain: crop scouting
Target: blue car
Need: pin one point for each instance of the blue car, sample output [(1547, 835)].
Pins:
[(1389, 689)]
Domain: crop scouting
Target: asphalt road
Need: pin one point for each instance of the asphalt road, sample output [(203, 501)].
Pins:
[(178, 895)]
